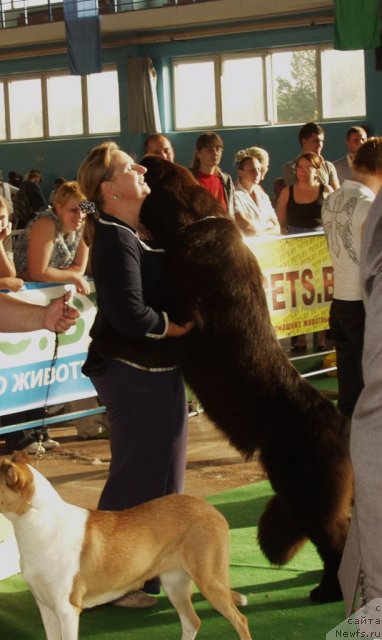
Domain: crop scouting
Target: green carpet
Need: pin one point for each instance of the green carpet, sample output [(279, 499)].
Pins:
[(279, 607)]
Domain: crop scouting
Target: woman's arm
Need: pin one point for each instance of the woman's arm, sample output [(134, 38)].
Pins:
[(177, 331), (11, 284), (269, 214), (327, 189), (80, 259), (42, 237), (243, 224), (8, 278), (282, 209), (274, 228), (242, 215), (7, 269)]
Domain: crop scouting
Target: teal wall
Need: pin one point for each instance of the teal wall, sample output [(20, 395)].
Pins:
[(62, 157)]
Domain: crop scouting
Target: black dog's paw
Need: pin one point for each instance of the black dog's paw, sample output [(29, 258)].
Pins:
[(326, 593)]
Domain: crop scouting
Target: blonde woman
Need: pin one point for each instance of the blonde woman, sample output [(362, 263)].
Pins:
[(254, 214), (132, 357), (51, 248), (263, 157), (8, 278)]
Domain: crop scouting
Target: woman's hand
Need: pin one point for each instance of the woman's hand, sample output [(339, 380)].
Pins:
[(11, 283), (5, 231), (81, 284), (177, 331)]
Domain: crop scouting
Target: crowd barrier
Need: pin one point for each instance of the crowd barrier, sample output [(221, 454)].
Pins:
[(298, 275), (298, 279)]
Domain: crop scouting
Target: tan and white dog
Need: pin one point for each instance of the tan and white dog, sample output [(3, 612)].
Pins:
[(75, 558)]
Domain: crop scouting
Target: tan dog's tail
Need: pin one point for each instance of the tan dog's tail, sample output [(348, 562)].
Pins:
[(239, 599)]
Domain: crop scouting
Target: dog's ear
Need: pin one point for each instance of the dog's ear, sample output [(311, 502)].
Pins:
[(14, 475), (6, 468)]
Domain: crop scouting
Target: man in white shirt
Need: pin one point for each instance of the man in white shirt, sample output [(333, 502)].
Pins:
[(361, 568), (355, 136), (343, 214)]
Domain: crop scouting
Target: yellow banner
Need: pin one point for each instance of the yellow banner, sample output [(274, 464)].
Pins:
[(299, 281)]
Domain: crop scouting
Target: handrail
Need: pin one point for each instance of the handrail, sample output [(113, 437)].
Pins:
[(269, 253), (17, 13)]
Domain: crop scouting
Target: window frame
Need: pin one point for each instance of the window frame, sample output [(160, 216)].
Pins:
[(246, 54), (269, 86), (316, 49), (60, 74), (87, 115), (18, 78), (44, 76), (346, 117), (5, 105), (214, 58)]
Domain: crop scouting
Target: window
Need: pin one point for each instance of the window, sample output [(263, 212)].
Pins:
[(343, 76), (52, 105), (20, 4), (102, 119), (295, 86), (270, 87), (242, 90), (64, 99), (2, 112), (194, 94), (25, 108)]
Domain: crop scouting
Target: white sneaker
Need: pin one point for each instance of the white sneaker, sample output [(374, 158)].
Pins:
[(35, 447), (50, 444)]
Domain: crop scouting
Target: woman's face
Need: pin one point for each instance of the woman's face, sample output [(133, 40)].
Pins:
[(305, 171), (71, 215), (250, 173), (128, 181), (210, 156), (4, 218)]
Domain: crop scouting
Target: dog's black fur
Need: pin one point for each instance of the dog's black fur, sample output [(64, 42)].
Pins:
[(242, 377)]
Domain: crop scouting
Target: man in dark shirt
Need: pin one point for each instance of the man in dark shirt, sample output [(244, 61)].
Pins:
[(33, 191), (29, 199)]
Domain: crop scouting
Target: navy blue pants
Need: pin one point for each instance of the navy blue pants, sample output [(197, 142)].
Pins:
[(148, 434), (347, 326), (148, 420)]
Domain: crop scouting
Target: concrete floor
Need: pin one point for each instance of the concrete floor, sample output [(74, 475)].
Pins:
[(78, 469)]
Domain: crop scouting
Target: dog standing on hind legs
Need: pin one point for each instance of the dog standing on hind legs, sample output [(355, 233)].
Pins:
[(74, 558), (242, 377)]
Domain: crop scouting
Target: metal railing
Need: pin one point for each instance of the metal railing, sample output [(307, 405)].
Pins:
[(19, 13)]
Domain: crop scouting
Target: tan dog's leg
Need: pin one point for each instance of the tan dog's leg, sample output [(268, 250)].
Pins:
[(210, 573), (178, 586), (223, 600)]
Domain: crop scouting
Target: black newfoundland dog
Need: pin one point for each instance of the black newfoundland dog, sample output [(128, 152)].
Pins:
[(235, 365)]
